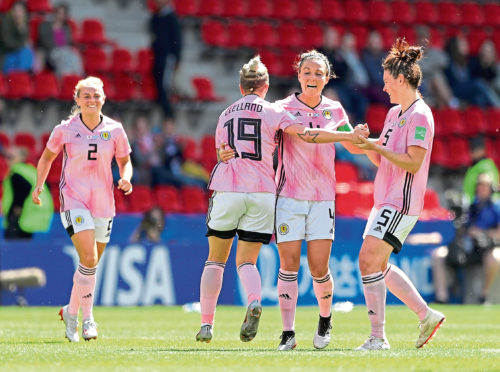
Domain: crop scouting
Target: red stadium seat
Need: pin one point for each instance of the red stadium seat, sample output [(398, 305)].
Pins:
[(360, 33), (54, 191), (34, 24), (472, 14), (3, 86), (121, 201), (4, 168), (186, 8), (93, 32), (431, 199), (189, 148), (439, 152), (234, 8), (168, 199), (355, 12), (43, 140), (208, 156), (5, 5), (121, 61), (475, 38), (213, 33), (141, 199), (263, 35), (388, 35), (475, 121), (55, 170), (68, 84), (492, 150), (375, 117), (379, 11), (41, 6), (204, 90), (25, 139), (402, 12), (124, 88), (18, 85), (287, 60), (493, 121), (239, 34), (346, 203), (144, 61), (289, 35), (448, 13), (346, 172), (312, 36), (46, 86), (436, 36), (208, 8), (491, 13), (408, 32), (4, 140), (271, 60), (95, 60), (331, 11), (194, 200), (259, 9), (496, 39), (452, 122), (308, 10), (458, 153), (425, 12), (147, 87), (284, 10)]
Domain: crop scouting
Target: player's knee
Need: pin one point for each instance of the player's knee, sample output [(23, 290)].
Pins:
[(318, 270), (290, 264), (89, 260)]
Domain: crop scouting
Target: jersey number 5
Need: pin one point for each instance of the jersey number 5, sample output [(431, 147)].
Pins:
[(92, 150), (244, 135), (387, 137)]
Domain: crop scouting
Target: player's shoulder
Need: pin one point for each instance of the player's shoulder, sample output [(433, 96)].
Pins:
[(111, 124), (286, 102), (66, 123), (422, 111), (328, 103)]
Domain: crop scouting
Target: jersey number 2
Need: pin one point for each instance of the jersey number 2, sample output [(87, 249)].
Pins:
[(254, 137), (92, 150)]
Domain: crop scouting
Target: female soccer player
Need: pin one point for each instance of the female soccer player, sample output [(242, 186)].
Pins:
[(402, 154), (244, 191), (89, 140)]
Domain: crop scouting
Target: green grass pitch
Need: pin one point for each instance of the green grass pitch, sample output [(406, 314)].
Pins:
[(162, 339)]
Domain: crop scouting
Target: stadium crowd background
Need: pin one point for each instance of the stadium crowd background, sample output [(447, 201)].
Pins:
[(174, 155)]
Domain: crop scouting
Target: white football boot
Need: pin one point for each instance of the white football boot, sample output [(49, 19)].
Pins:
[(429, 326), (71, 322)]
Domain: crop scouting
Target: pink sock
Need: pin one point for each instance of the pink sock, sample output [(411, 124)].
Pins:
[(250, 278), (288, 291), (85, 286), (74, 300), (400, 285), (323, 289), (375, 293), (211, 283)]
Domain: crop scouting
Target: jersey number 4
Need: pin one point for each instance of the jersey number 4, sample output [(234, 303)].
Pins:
[(92, 151), (246, 135)]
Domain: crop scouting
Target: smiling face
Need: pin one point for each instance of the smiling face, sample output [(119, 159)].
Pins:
[(393, 86), (313, 77), (90, 99)]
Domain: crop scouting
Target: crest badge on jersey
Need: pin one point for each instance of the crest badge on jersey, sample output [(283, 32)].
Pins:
[(327, 114), (79, 220), (402, 123), (283, 229), (105, 136)]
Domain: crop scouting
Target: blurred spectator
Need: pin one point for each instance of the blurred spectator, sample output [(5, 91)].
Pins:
[(22, 217), (350, 74), (15, 43), (463, 85), (56, 42), (480, 164), (372, 57), (475, 249), (170, 170), (435, 86), (144, 151), (151, 227), (485, 67), (166, 36)]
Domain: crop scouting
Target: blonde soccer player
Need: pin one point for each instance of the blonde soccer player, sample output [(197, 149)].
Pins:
[(402, 154), (89, 141), (244, 191)]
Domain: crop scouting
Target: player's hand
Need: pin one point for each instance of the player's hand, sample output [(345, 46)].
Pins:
[(35, 195), (360, 131), (365, 144), (226, 153), (125, 186)]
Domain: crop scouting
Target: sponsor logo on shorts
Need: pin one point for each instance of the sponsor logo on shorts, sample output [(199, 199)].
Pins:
[(105, 136), (378, 228), (327, 114), (283, 229), (79, 220)]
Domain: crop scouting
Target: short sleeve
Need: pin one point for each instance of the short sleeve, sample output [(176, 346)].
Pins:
[(122, 148), (56, 140), (287, 119), (419, 131), (340, 120)]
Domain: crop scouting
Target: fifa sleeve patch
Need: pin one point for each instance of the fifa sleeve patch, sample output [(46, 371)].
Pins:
[(345, 128), (420, 133)]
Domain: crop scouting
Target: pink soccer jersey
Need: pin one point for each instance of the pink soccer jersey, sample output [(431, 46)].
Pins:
[(393, 185), (306, 171), (249, 126), (86, 179)]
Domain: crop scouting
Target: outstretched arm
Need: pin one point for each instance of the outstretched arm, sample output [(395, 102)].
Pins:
[(125, 168), (320, 135), (42, 170)]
